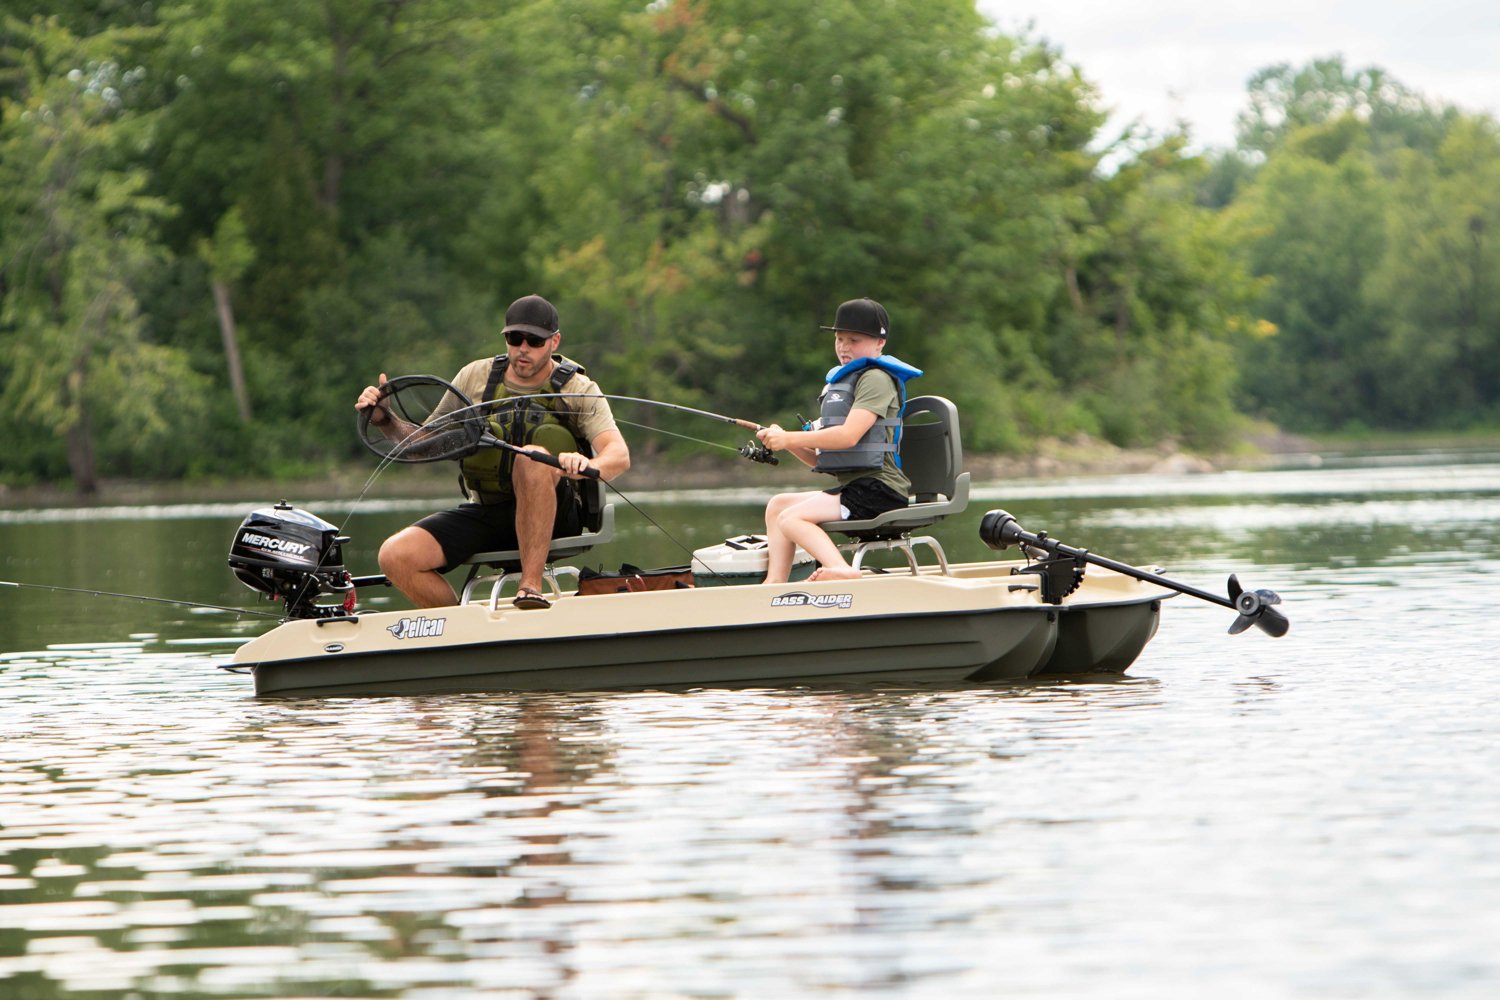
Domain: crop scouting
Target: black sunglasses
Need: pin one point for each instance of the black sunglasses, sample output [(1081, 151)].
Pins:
[(515, 337)]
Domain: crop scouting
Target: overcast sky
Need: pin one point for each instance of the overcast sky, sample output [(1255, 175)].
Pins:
[(1165, 60)]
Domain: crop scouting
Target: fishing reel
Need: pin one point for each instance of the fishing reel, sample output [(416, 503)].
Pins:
[(755, 451)]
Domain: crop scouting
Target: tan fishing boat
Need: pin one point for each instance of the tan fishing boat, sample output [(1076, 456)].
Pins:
[(974, 622), (1057, 611)]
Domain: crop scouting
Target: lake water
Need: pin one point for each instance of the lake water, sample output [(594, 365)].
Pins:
[(1315, 816)]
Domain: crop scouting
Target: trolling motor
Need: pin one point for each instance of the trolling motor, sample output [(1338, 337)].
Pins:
[(294, 557), (999, 530)]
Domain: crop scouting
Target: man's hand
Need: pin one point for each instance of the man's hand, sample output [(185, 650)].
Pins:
[(373, 396), (573, 463)]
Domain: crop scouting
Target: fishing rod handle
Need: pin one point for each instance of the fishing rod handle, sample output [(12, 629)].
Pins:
[(546, 458)]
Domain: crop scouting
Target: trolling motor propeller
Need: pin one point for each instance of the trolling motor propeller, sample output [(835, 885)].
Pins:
[(1255, 609), (999, 530)]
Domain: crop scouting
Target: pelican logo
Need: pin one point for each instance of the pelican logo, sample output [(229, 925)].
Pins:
[(802, 599), (417, 628)]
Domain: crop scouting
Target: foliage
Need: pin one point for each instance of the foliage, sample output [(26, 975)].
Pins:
[(78, 241), (697, 184), (1369, 225)]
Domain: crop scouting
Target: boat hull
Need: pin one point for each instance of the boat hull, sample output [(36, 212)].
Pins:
[(975, 623)]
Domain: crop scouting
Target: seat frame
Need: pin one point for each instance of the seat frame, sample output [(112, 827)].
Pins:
[(932, 458), (599, 521)]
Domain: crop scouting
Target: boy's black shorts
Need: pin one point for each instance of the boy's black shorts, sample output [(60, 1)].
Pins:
[(490, 527), (866, 498)]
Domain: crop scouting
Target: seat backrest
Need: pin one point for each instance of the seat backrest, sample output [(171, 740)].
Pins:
[(932, 452)]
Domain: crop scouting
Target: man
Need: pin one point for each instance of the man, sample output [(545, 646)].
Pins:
[(514, 503)]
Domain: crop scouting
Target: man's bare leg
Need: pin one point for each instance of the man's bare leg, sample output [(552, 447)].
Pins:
[(410, 559), (536, 512)]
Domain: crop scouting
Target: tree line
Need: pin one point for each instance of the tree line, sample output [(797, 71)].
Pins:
[(219, 220)]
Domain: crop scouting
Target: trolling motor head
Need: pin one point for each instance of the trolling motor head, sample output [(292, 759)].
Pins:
[(999, 530), (293, 556)]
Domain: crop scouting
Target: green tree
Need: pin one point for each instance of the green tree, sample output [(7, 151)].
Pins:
[(1284, 99), (1314, 229), (78, 241), (348, 136), (1153, 303), (1439, 287)]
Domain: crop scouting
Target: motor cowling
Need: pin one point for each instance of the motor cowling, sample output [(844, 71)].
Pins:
[(293, 556)]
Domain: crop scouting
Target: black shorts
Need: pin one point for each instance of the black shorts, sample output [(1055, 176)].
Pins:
[(491, 527), (867, 497)]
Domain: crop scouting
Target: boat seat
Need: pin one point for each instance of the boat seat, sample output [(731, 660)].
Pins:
[(932, 457), (504, 565)]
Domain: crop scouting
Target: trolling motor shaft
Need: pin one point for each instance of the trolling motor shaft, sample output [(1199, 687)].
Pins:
[(1000, 530)]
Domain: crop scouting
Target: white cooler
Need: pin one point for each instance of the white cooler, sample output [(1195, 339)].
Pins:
[(742, 560)]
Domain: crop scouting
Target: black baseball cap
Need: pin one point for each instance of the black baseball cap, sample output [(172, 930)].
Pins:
[(864, 316), (531, 314)]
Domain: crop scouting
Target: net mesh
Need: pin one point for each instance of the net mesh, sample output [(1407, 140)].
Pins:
[(421, 418)]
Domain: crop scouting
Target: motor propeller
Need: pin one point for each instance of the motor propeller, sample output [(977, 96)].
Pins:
[(1000, 530), (1254, 607)]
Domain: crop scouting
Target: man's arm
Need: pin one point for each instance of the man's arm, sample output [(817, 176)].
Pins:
[(611, 454)]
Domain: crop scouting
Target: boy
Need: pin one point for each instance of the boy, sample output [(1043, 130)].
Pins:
[(854, 439)]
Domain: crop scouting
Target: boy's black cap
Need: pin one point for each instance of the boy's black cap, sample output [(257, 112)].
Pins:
[(861, 316), (531, 314)]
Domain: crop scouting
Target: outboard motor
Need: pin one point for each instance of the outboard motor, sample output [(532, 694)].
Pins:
[(293, 556)]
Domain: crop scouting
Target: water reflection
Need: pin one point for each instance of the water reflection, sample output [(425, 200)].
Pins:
[(1291, 818)]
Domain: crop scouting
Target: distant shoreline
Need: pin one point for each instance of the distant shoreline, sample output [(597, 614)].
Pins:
[(1077, 458)]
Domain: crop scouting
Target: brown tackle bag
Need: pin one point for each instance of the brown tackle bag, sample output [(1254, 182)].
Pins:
[(633, 579)]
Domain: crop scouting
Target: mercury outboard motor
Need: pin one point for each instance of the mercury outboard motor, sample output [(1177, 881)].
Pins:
[(293, 556)]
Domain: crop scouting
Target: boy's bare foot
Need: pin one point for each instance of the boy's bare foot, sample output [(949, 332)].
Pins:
[(834, 573)]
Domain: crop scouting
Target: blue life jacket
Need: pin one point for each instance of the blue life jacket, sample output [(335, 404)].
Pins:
[(837, 399)]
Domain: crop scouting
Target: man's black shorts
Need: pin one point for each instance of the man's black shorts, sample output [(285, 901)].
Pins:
[(490, 527), (866, 498)]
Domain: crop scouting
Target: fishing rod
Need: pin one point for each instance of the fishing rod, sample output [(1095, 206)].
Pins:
[(136, 597), (754, 451), (458, 433)]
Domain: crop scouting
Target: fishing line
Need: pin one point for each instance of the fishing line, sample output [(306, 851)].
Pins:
[(657, 525), (485, 406), (474, 408), (685, 437), (136, 597)]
